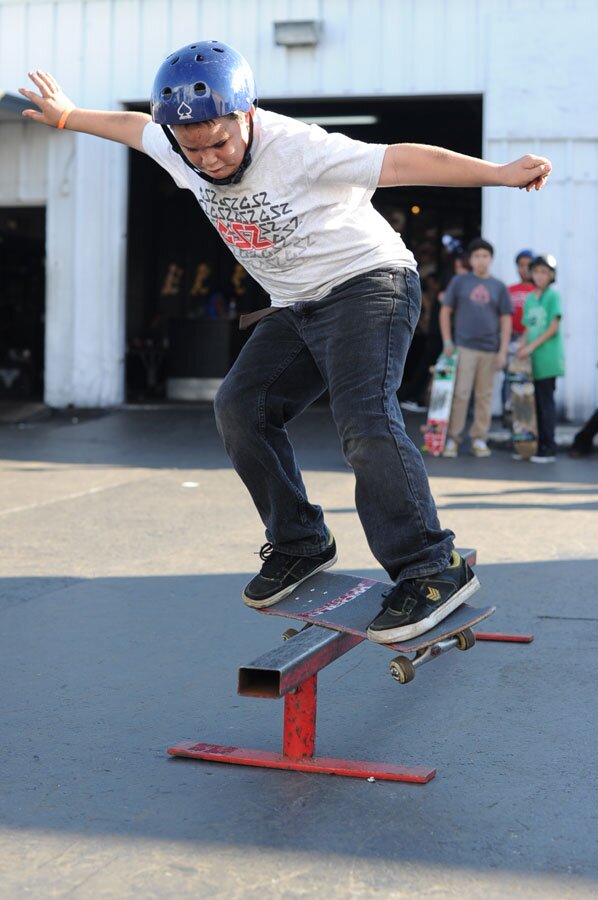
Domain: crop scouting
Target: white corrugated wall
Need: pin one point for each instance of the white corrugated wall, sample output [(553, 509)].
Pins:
[(533, 61)]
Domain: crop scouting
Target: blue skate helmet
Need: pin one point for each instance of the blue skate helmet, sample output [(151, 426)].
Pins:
[(202, 81)]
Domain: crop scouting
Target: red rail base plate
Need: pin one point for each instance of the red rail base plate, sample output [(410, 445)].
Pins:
[(322, 764)]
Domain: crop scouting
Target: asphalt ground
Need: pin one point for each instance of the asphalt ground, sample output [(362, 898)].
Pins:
[(126, 539)]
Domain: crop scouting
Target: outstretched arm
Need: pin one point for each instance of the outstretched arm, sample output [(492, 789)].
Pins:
[(56, 110), (422, 164)]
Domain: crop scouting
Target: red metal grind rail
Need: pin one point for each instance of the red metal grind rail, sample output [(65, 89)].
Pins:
[(291, 671), (504, 638)]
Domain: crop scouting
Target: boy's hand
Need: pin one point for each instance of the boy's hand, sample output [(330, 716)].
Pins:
[(501, 361), (523, 352), (528, 172), (50, 100)]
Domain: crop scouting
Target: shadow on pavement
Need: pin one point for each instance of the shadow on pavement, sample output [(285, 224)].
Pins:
[(173, 437), (98, 676)]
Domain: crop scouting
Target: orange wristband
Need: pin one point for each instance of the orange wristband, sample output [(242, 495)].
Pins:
[(65, 114)]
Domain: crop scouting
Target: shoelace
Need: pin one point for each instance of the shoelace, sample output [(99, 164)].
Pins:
[(274, 561), (265, 551)]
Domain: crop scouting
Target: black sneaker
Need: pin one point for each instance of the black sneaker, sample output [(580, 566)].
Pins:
[(542, 458), (281, 574), (417, 605)]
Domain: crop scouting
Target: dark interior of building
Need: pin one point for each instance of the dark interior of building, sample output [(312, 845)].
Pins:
[(22, 302), (184, 287)]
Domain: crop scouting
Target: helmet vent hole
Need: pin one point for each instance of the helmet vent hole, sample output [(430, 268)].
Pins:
[(192, 46), (199, 88), (174, 61), (199, 58), (166, 92), (217, 49)]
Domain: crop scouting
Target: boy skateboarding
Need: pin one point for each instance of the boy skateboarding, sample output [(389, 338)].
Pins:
[(293, 204)]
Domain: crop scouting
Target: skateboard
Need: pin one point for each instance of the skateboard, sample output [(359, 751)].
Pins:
[(348, 603), (524, 428), (441, 399)]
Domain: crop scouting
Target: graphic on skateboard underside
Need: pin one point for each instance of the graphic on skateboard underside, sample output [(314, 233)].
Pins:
[(441, 399), (349, 603)]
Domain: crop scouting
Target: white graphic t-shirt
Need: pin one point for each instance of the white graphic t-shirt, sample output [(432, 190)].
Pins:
[(300, 220)]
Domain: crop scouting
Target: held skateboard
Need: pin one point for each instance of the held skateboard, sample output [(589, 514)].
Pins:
[(441, 400), (349, 603), (524, 428)]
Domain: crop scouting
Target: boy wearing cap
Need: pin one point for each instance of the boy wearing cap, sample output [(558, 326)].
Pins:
[(293, 204), (543, 341)]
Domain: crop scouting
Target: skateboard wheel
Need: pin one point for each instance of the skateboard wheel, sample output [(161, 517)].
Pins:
[(402, 669), (466, 639), (289, 633)]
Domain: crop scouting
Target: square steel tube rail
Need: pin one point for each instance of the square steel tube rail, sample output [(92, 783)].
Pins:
[(282, 670)]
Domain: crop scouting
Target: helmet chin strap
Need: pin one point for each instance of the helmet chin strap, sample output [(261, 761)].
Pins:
[(235, 178)]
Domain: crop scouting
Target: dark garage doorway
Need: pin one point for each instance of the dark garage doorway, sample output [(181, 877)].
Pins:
[(421, 214), (22, 303), (184, 284)]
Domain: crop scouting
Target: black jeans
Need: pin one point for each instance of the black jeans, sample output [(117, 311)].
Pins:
[(546, 415), (354, 344)]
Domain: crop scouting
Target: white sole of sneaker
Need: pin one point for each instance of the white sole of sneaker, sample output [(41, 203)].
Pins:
[(276, 598), (396, 635)]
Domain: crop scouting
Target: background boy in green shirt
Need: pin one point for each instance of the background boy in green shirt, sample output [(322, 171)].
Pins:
[(544, 343)]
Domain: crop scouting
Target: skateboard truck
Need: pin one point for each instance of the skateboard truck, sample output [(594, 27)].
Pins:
[(403, 669)]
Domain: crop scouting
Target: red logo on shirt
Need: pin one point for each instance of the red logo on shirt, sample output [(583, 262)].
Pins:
[(243, 235), (480, 295)]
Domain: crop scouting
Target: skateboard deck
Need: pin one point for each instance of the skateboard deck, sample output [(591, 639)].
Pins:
[(524, 428), (349, 603), (441, 400)]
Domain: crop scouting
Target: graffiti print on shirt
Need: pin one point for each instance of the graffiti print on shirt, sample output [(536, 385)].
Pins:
[(244, 235), (253, 227)]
